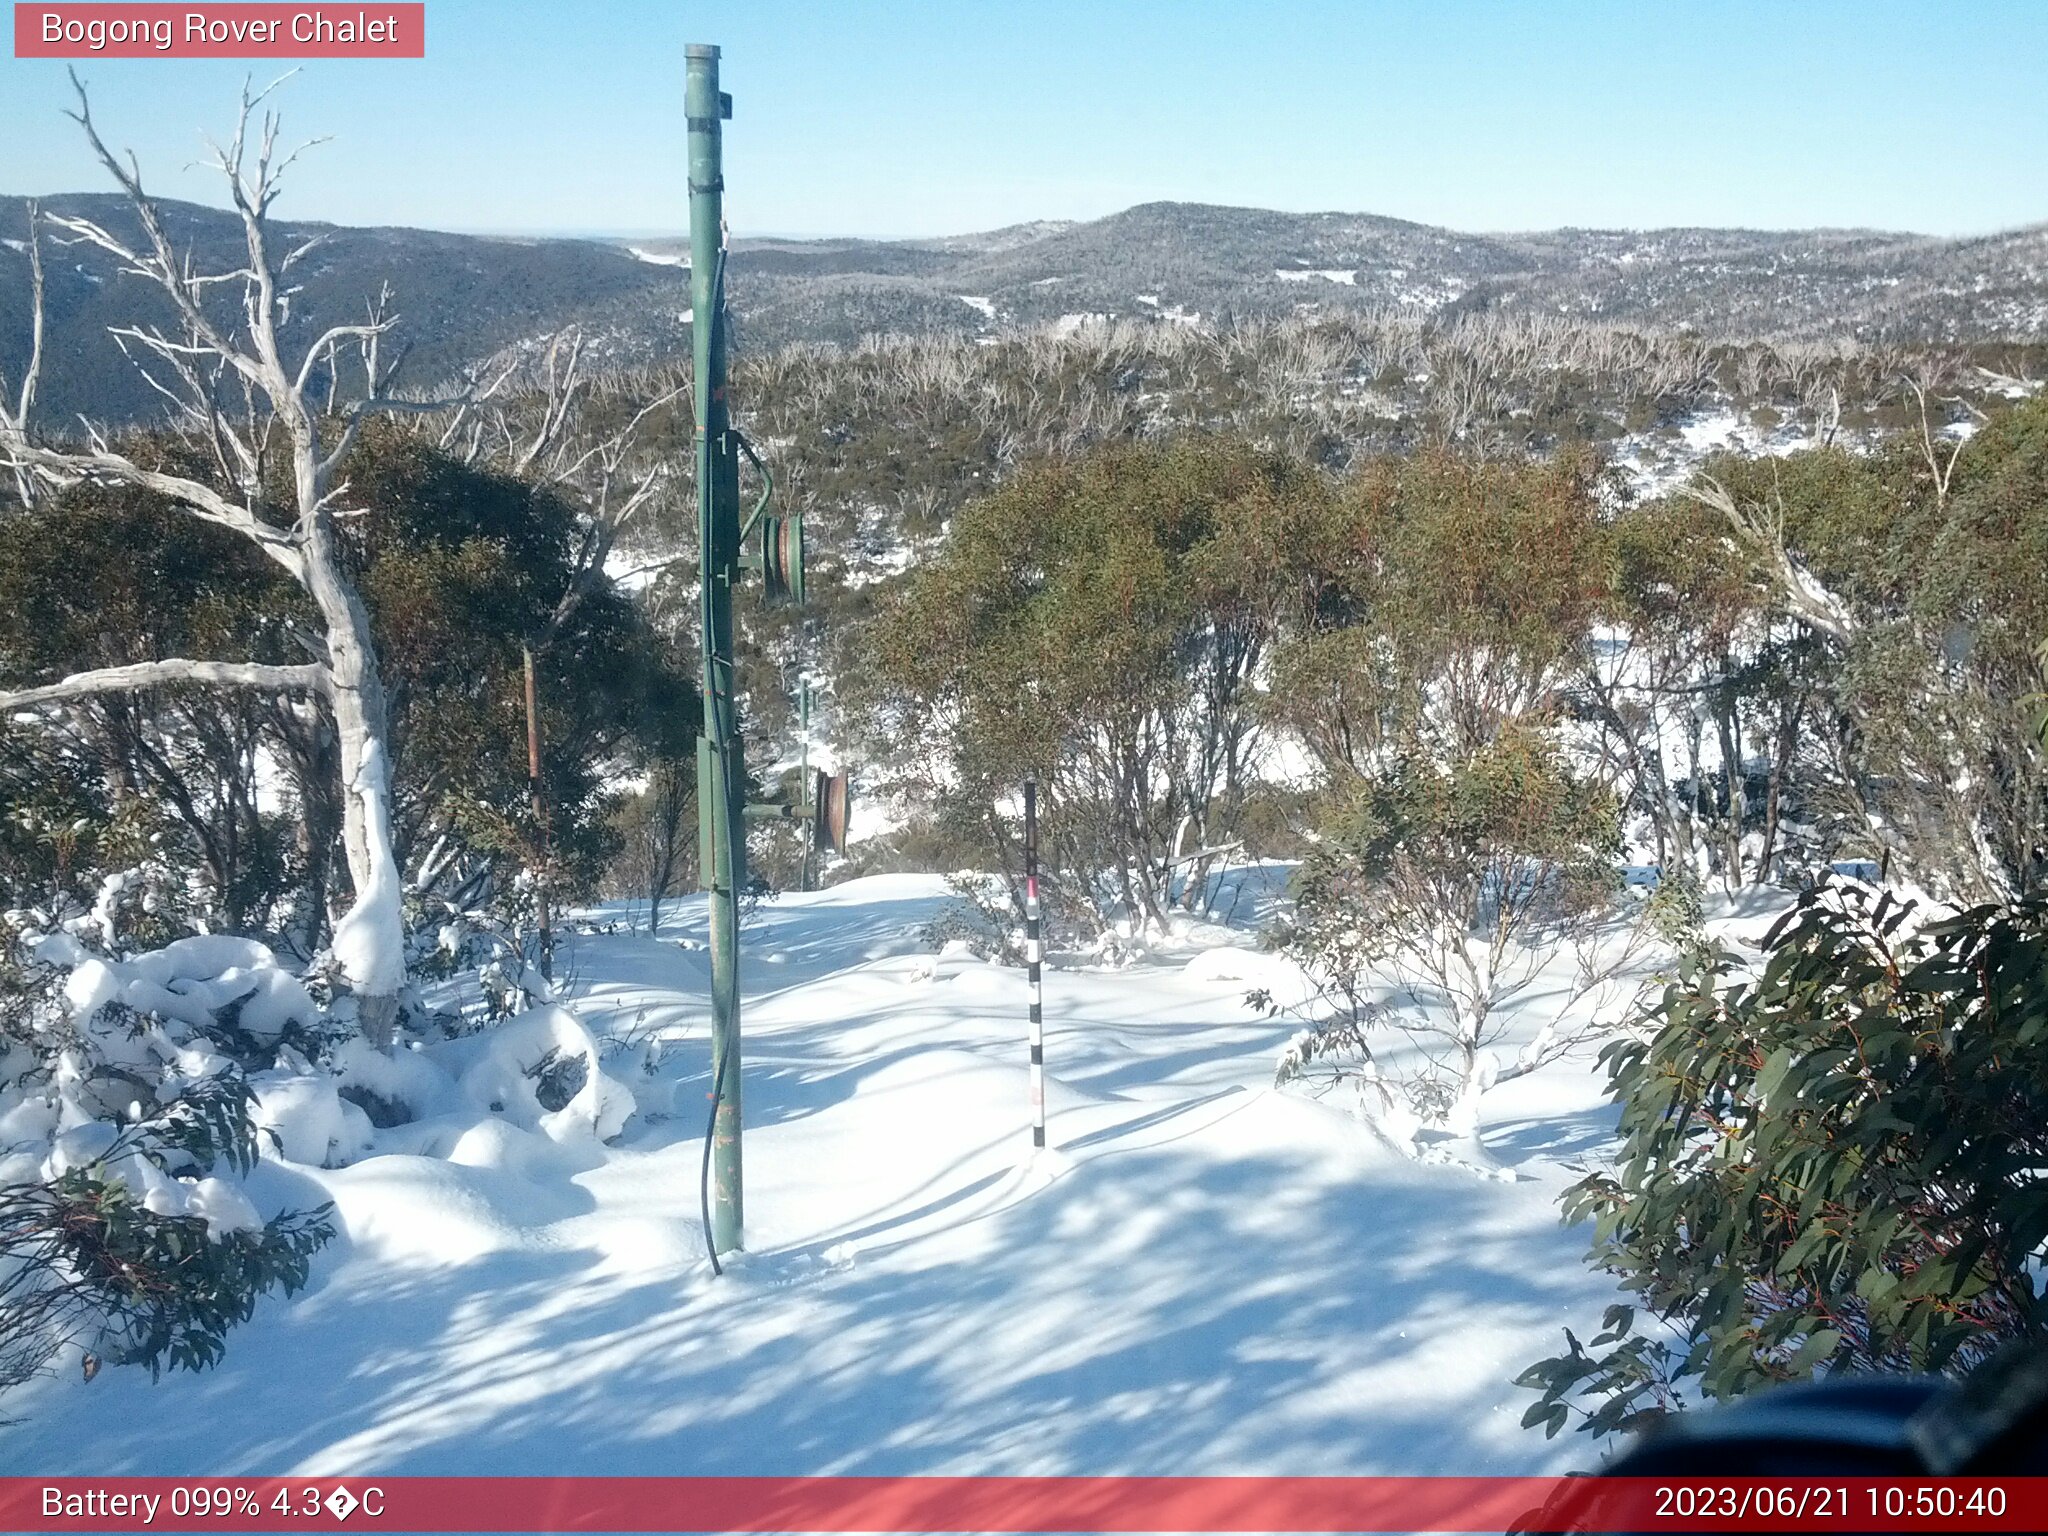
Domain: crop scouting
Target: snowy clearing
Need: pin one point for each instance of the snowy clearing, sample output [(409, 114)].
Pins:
[(1344, 275), (1204, 1275)]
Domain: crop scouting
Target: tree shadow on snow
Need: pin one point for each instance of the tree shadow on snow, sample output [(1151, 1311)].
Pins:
[(1146, 1313)]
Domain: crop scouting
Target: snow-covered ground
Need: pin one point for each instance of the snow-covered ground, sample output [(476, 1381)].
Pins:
[(1203, 1275), (1656, 463)]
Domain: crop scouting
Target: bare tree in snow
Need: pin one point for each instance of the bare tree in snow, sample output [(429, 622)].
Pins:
[(14, 420), (557, 430), (201, 364)]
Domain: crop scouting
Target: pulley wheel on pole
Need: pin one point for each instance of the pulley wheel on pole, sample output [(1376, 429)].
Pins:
[(782, 559), (831, 808)]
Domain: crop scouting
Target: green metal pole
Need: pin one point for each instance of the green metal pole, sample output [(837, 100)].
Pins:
[(720, 770)]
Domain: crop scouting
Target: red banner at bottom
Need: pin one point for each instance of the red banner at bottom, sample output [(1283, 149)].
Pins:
[(1022, 1504)]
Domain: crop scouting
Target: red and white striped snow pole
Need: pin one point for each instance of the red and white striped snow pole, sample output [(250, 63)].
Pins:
[(1034, 959)]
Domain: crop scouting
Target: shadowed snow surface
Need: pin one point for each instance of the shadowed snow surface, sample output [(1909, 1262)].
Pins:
[(1202, 1276)]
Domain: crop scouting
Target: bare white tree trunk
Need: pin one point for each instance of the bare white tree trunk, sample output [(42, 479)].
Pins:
[(1759, 527), (368, 942), (15, 421)]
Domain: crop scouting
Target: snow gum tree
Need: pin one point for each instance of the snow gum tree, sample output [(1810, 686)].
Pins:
[(1918, 572), (1106, 621), (1709, 696), (259, 412), (1459, 883), (1465, 846), (100, 576), (655, 837), (458, 567)]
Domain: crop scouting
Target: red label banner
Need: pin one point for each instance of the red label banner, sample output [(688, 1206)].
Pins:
[(1023, 1504), (119, 31)]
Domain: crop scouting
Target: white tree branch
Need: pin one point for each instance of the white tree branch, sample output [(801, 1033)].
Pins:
[(15, 423), (27, 398), (201, 500), (1763, 532), (310, 677)]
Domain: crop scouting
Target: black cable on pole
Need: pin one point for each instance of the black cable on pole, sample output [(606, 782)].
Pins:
[(704, 1175)]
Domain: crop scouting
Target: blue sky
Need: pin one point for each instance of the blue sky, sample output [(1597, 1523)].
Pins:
[(916, 118)]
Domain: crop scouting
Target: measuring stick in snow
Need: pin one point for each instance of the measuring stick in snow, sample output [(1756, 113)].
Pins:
[(1034, 957)]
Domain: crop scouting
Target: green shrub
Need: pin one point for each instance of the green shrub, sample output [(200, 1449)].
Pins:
[(85, 1261), (1839, 1164), (150, 1290)]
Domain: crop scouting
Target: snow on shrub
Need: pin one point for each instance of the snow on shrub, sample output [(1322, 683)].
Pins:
[(540, 1070), (98, 1048), (394, 1087), (327, 1118), (91, 1038), (101, 1039), (302, 1118), (137, 1088), (127, 1241), (204, 981)]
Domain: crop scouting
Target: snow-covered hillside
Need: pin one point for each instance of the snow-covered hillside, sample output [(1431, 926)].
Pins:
[(1203, 1276)]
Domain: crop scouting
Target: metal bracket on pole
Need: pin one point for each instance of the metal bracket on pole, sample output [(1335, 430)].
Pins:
[(826, 810), (767, 486)]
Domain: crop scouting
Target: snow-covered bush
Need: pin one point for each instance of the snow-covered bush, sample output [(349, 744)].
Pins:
[(128, 1241), (1338, 1053), (92, 1037), (498, 945), (135, 1090), (542, 1072), (1444, 901), (135, 1087), (105, 1033), (301, 1117), (982, 918)]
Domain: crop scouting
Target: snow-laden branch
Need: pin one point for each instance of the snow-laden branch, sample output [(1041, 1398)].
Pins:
[(310, 677)]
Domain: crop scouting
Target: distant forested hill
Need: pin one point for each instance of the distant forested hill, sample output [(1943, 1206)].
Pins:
[(465, 297)]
